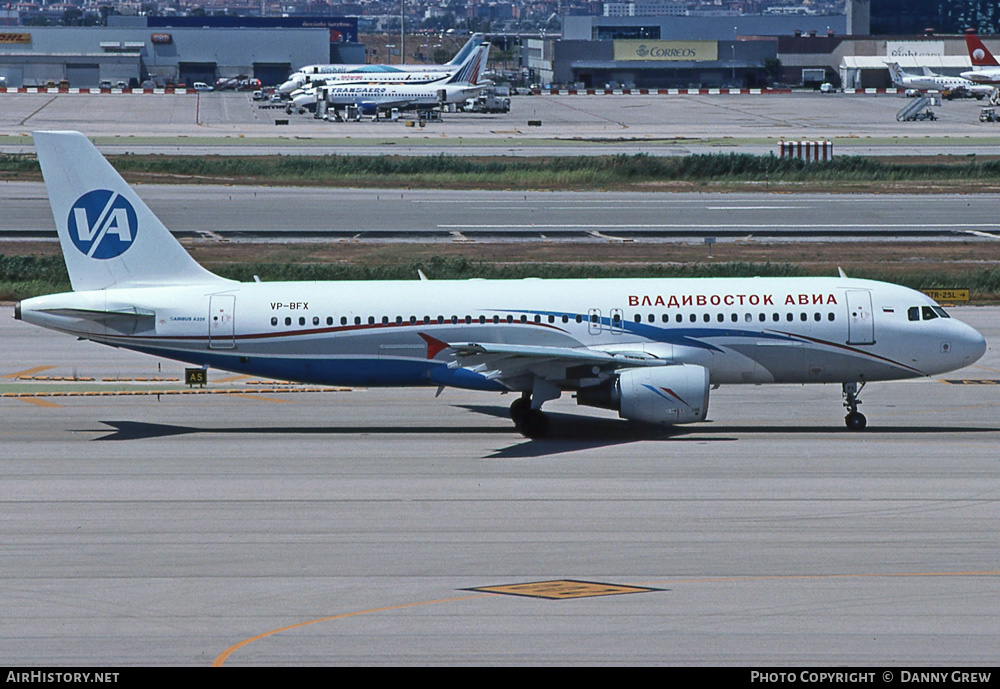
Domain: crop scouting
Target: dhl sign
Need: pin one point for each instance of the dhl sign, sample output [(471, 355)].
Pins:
[(16, 38)]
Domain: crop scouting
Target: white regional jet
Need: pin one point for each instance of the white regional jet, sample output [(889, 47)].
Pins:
[(937, 82), (322, 73), (373, 97), (650, 349)]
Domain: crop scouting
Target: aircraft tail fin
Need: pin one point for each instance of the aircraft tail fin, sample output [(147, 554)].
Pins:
[(474, 42), (474, 68), (896, 73), (979, 53), (109, 237)]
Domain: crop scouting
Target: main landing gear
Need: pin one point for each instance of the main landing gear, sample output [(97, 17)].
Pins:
[(855, 420), (531, 423), (526, 411)]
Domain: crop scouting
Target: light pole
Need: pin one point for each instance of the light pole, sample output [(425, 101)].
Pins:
[(734, 56)]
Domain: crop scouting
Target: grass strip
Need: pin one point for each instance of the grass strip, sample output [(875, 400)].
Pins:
[(570, 172)]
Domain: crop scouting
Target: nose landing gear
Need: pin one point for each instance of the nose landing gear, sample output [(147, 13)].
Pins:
[(854, 420)]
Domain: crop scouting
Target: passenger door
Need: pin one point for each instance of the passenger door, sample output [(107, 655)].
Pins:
[(861, 320)]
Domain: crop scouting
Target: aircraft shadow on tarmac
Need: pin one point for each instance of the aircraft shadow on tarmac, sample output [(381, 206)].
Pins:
[(568, 432)]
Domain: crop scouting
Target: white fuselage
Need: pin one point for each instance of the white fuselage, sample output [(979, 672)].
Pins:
[(407, 78), (320, 74), (742, 330), (405, 96), (941, 83), (983, 75)]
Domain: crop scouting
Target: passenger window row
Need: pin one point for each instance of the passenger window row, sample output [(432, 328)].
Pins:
[(413, 320), (616, 319)]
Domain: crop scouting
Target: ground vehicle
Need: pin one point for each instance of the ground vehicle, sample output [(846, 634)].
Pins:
[(988, 115), (491, 103), (105, 84), (912, 93), (827, 87), (201, 86)]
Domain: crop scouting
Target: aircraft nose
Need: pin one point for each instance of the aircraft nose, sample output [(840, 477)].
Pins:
[(971, 345), (976, 345)]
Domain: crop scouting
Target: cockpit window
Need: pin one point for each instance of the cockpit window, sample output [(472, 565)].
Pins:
[(928, 313), (913, 313), (941, 312)]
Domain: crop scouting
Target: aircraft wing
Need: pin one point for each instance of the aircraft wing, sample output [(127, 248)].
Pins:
[(508, 362)]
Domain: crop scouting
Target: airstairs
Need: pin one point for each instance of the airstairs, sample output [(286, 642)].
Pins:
[(919, 109)]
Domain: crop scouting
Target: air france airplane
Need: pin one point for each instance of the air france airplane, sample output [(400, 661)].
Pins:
[(651, 349)]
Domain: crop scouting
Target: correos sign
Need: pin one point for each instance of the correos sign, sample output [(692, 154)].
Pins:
[(698, 51)]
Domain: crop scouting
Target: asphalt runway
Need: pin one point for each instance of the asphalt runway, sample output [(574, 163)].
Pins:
[(353, 527), (219, 123), (296, 213)]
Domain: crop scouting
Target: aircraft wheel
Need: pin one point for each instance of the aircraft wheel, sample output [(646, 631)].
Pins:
[(534, 424), (517, 409), (856, 421)]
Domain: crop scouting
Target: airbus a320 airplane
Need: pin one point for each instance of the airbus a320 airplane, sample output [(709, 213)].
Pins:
[(650, 349)]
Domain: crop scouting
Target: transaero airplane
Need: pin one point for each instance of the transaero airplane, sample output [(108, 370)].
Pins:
[(651, 349), (323, 73)]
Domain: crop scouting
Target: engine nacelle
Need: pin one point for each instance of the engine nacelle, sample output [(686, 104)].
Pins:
[(662, 394)]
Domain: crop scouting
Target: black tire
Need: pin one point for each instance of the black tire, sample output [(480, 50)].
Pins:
[(517, 409), (856, 421)]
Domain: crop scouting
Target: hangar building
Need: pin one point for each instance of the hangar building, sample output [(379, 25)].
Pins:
[(172, 51)]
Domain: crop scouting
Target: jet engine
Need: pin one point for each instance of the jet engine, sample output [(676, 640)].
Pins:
[(661, 394)]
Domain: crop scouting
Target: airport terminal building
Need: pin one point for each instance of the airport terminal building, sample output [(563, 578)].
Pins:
[(172, 51), (669, 51), (733, 52)]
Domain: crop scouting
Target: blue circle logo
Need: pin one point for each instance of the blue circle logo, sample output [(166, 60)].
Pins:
[(102, 224)]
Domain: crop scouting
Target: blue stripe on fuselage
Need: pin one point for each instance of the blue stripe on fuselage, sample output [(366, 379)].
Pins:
[(368, 372)]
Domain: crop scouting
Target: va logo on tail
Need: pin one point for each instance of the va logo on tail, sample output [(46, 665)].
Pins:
[(102, 224)]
